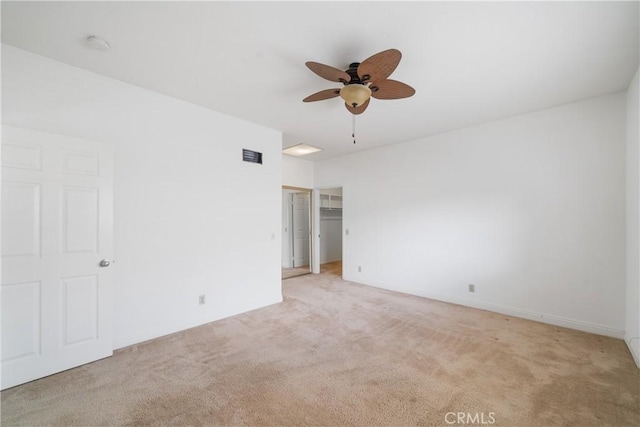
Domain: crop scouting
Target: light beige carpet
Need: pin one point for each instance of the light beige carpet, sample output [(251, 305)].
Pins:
[(336, 353)]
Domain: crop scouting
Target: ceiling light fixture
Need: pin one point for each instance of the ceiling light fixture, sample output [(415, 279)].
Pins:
[(355, 94), (301, 150), (97, 43)]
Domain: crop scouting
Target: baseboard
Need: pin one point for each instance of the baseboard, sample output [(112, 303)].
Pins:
[(510, 311), (128, 340), (147, 335), (635, 351)]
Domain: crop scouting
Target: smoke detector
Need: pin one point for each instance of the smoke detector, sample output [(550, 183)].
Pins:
[(97, 43)]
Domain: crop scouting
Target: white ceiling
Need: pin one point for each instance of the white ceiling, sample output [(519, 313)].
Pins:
[(469, 62)]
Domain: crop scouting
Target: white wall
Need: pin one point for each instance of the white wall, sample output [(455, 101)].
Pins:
[(285, 230), (190, 217), (632, 330), (530, 209), (297, 172), (330, 239)]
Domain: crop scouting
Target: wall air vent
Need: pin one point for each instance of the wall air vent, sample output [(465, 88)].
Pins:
[(251, 156)]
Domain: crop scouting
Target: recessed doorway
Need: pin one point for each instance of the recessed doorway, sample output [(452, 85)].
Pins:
[(296, 232), (330, 230)]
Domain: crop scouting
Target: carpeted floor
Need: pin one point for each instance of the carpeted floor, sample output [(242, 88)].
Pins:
[(337, 353)]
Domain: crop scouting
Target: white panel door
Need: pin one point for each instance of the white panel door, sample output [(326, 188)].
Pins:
[(57, 226), (300, 226)]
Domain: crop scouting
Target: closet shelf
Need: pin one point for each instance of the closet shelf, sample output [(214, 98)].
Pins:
[(330, 201)]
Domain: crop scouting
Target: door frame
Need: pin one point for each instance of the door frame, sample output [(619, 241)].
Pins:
[(312, 225)]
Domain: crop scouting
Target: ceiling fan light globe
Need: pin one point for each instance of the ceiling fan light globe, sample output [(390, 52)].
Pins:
[(355, 94)]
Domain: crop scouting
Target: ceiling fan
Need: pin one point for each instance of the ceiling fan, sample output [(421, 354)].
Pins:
[(362, 81)]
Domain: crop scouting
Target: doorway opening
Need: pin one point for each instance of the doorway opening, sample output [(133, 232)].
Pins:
[(330, 230), (296, 232)]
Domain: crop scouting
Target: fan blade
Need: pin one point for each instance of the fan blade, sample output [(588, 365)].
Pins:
[(391, 89), (379, 66), (357, 110), (329, 73), (323, 94)]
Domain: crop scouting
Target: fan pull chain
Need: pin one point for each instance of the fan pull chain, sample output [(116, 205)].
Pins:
[(353, 128)]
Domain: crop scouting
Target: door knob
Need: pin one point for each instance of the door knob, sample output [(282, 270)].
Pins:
[(105, 263)]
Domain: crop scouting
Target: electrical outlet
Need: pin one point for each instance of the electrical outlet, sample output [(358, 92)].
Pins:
[(359, 269), (201, 300), (472, 287)]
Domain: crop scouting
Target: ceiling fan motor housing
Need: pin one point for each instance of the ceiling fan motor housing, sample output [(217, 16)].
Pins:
[(353, 72), (355, 92)]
